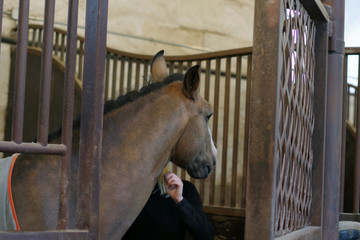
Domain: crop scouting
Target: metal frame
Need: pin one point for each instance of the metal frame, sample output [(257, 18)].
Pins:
[(326, 139), (92, 112)]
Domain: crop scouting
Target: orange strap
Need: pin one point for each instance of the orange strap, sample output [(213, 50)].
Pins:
[(10, 193)]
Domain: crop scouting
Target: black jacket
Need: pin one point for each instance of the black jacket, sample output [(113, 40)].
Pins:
[(161, 218)]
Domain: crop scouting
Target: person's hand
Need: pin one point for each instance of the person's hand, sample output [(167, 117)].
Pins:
[(174, 186)]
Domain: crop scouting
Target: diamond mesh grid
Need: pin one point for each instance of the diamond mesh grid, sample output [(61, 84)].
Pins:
[(295, 120)]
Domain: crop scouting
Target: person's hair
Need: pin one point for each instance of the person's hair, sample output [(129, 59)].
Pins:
[(161, 182)]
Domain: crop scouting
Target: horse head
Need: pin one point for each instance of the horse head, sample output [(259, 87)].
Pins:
[(195, 150)]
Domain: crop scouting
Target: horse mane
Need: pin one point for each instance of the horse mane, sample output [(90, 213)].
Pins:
[(122, 100), (134, 95)]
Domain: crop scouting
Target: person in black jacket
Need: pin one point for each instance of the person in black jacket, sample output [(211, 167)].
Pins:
[(173, 211)]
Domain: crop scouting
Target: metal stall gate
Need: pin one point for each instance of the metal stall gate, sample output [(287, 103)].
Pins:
[(294, 122), (91, 112)]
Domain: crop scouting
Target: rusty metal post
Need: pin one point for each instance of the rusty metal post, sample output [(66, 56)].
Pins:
[(334, 120), (45, 77), (68, 109), (20, 72), (321, 50), (260, 192), (92, 115)]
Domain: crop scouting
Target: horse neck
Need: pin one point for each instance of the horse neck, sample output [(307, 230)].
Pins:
[(146, 131)]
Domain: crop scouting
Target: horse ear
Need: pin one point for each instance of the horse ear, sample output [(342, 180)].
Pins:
[(191, 82), (158, 67)]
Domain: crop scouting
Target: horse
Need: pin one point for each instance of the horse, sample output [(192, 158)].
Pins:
[(139, 138)]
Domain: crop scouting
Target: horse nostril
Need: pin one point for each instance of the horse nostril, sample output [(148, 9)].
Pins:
[(208, 168)]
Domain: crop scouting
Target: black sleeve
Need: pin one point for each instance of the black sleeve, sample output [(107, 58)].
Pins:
[(191, 212)]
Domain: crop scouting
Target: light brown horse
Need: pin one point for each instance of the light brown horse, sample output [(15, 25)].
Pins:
[(139, 139)]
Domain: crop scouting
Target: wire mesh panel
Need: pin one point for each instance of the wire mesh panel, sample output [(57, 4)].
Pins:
[(295, 120)]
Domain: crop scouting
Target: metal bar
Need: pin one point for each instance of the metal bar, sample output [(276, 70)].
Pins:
[(207, 80), (32, 41), (92, 116), (333, 121), (171, 67), (68, 109), (20, 72), (246, 132), (236, 132), (45, 78), (54, 235), (57, 149), (343, 141), (320, 101), (225, 132), (122, 75), (39, 37), (260, 191), (180, 67), (129, 74), (113, 78), (81, 60), (107, 76), (145, 76), (62, 47), (215, 125), (56, 46), (137, 75)]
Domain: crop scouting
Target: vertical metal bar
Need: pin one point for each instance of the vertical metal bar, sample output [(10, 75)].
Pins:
[(56, 47), (180, 67), (20, 72), (137, 75), (215, 124), (113, 78), (107, 76), (343, 141), (122, 75), (145, 76), (81, 60), (207, 79), (32, 41), (333, 121), (246, 132), (68, 109), (236, 132), (320, 101), (62, 48), (46, 67), (225, 132), (260, 191), (38, 43), (171, 67), (129, 74), (92, 115)]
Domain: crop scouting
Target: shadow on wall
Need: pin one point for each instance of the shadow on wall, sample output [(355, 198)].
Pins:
[(33, 72)]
